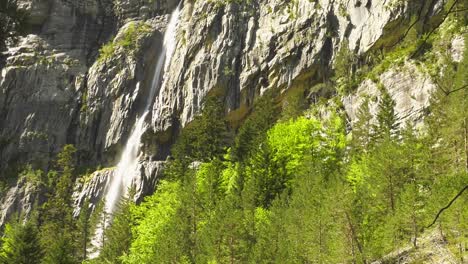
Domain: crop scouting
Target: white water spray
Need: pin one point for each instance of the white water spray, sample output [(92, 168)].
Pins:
[(117, 186)]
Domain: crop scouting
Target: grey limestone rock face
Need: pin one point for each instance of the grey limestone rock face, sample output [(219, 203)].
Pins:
[(117, 88), (242, 50), (40, 90), (237, 50), (457, 48), (20, 199), (410, 88), (46, 77), (144, 182), (54, 91)]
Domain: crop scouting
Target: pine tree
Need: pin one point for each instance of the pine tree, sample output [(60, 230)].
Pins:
[(205, 137), (418, 180), (344, 66), (59, 229), (387, 124), (362, 129), (253, 132), (84, 228), (20, 244), (118, 235), (293, 105)]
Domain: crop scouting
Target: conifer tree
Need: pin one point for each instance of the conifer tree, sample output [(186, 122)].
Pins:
[(59, 228), (20, 244), (362, 129), (205, 137), (118, 235), (387, 123), (84, 228), (252, 133)]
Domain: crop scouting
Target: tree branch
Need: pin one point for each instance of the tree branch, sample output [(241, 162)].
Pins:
[(447, 206), (440, 87), (458, 89), (405, 34), (458, 10), (434, 29)]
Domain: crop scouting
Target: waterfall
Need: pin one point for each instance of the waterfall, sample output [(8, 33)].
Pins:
[(117, 186)]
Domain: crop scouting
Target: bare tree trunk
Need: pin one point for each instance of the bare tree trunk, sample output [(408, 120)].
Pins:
[(320, 240), (85, 240), (392, 198), (231, 248), (354, 236), (351, 241), (465, 125), (415, 230)]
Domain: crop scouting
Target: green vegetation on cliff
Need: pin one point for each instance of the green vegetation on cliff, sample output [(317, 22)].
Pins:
[(12, 21)]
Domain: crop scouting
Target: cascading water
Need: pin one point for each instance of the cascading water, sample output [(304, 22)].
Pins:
[(117, 186)]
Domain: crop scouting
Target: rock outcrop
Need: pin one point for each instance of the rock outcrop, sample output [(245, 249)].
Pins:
[(20, 199), (409, 88), (432, 248), (93, 186), (53, 87), (242, 50)]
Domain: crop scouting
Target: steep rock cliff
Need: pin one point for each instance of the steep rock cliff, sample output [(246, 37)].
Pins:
[(238, 49)]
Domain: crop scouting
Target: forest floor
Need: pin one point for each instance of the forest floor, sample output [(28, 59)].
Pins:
[(432, 248)]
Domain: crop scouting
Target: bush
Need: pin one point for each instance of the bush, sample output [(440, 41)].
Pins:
[(128, 42)]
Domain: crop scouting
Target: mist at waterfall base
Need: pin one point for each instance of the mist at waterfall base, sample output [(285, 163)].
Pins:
[(118, 185)]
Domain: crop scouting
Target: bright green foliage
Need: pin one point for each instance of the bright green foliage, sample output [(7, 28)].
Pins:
[(305, 227), (127, 42), (291, 140), (20, 244), (158, 236), (274, 165), (207, 217)]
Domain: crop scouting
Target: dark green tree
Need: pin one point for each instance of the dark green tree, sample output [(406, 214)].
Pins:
[(20, 244), (344, 66), (294, 104), (13, 22), (84, 229), (59, 228), (118, 235), (205, 137), (362, 129), (253, 131), (387, 121)]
